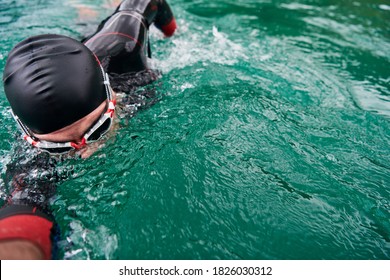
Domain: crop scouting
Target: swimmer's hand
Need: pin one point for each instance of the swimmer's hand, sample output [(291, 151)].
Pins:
[(170, 28)]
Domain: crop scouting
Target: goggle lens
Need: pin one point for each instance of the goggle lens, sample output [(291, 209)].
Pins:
[(101, 130)]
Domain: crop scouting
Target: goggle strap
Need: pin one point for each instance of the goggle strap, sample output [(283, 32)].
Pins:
[(21, 125), (111, 105), (30, 140)]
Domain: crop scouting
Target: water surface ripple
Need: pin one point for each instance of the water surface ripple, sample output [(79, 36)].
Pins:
[(271, 139)]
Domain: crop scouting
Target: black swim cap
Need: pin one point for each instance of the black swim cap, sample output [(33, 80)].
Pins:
[(51, 81)]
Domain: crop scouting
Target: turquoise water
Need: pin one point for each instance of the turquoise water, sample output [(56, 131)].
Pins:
[(271, 140)]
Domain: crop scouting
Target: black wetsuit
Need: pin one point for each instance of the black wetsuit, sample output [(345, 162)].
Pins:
[(121, 40), (121, 44)]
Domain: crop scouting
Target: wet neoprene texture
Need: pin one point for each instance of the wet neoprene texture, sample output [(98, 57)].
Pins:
[(121, 40), (51, 81)]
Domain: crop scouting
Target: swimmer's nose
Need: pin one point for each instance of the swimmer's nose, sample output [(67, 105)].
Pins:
[(79, 144)]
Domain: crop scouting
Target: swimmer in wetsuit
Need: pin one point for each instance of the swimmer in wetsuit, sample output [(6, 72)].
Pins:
[(62, 100), (121, 41)]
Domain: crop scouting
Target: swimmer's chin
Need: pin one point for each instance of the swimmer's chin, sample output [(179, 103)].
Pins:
[(88, 151), (86, 154)]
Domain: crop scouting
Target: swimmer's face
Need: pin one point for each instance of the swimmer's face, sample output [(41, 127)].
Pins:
[(80, 132), (76, 131), (83, 136)]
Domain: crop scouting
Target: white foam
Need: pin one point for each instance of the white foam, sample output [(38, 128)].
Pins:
[(384, 7), (208, 46), (298, 6), (369, 98)]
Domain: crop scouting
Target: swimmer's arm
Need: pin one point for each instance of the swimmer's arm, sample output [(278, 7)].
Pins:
[(25, 219), (20, 249), (165, 20)]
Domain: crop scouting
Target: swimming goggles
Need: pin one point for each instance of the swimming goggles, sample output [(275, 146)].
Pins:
[(98, 130)]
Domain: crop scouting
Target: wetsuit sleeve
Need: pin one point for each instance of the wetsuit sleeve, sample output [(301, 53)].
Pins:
[(165, 21), (24, 222), (29, 183)]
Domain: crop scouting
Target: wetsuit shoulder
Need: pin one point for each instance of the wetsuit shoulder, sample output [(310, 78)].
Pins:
[(121, 41)]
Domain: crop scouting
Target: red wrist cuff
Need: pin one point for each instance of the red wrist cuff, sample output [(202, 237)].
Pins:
[(28, 227), (169, 28)]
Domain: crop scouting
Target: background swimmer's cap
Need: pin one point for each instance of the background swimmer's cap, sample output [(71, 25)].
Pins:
[(52, 81)]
